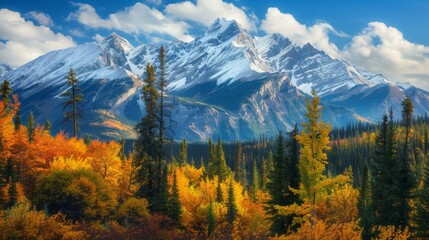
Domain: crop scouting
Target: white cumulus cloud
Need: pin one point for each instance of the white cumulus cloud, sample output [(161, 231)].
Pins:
[(382, 48), (24, 41), (41, 18), (98, 38), (318, 35), (137, 19), (206, 11), (378, 48)]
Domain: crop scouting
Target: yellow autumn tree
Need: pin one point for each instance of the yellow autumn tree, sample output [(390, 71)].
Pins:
[(314, 141), (105, 160)]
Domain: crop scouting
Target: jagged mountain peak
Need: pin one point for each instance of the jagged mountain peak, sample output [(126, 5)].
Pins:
[(221, 31), (4, 69), (308, 48), (114, 41)]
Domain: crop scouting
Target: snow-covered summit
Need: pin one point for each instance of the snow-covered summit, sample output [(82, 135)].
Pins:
[(114, 41)]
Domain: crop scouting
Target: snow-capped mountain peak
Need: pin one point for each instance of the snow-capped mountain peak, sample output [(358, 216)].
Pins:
[(114, 41), (221, 31), (4, 69)]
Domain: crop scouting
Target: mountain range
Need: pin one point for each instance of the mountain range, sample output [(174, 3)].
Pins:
[(226, 83)]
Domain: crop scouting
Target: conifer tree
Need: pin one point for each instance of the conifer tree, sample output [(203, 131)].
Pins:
[(217, 163), (277, 187), (211, 219), (175, 206), (255, 180), (219, 193), (17, 119), (30, 127), (74, 98), (406, 178), (240, 169), (146, 146), (5, 91), (385, 179), (364, 205), (264, 174), (87, 139), (314, 141), (422, 206), (211, 165), (13, 195), (293, 148), (47, 126), (163, 114), (231, 206), (183, 153), (222, 170)]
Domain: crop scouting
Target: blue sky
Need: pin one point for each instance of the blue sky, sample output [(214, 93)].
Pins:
[(388, 37)]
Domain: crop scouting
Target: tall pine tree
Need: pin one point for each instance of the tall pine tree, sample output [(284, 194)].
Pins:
[(406, 178), (147, 146), (175, 206), (211, 220), (385, 178), (277, 187), (422, 206), (230, 205), (31, 128), (74, 99), (5, 91), (183, 153)]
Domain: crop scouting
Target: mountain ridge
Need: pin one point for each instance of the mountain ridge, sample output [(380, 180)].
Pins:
[(226, 83)]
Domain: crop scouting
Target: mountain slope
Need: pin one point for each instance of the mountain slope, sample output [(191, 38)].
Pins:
[(226, 83)]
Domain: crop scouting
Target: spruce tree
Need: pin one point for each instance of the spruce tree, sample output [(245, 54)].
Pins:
[(277, 187), (30, 127), (47, 126), (87, 139), (264, 174), (222, 170), (13, 195), (230, 205), (163, 114), (385, 178), (146, 145), (255, 180), (364, 205), (210, 171), (175, 206), (422, 206), (406, 178), (219, 193), (211, 221), (238, 165), (183, 153), (293, 148), (74, 99), (5, 91), (17, 119)]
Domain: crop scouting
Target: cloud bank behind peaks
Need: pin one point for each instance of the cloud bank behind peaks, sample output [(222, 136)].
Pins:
[(378, 48), (137, 19), (381, 48), (206, 12), (318, 35)]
